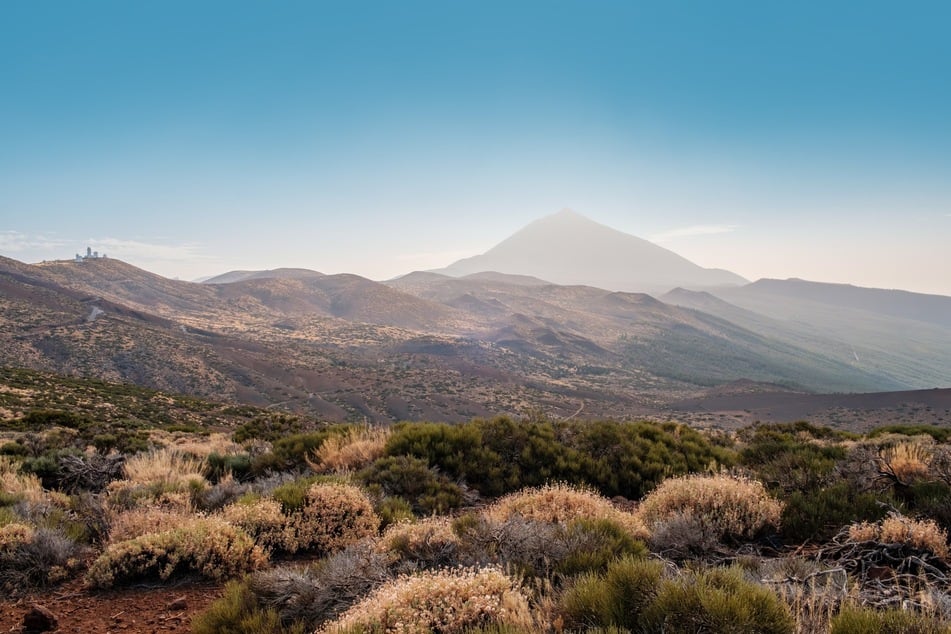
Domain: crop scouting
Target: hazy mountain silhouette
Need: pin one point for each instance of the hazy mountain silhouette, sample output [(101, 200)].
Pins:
[(239, 276), (568, 248)]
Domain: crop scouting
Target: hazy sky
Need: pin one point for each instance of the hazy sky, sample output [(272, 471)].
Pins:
[(773, 139)]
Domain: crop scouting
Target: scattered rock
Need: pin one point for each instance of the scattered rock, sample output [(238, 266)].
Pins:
[(39, 619), (177, 605)]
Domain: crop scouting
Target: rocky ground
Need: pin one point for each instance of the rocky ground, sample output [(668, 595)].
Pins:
[(140, 609)]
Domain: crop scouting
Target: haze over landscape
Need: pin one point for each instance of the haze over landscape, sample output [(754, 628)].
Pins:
[(562, 317), (192, 140)]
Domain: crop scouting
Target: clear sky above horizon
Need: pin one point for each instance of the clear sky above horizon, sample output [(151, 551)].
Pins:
[(806, 140)]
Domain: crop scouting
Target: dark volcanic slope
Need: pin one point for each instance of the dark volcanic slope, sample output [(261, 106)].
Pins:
[(858, 412)]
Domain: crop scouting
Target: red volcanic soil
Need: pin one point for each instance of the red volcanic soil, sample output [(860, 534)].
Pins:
[(139, 609)]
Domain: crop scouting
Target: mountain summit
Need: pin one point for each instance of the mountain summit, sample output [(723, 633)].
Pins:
[(568, 248)]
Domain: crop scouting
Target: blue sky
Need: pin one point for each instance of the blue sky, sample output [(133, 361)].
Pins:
[(771, 139)]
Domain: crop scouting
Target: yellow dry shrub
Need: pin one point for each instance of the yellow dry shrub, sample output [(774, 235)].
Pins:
[(561, 503), (426, 544), (439, 601), (262, 519), (136, 522), (415, 535), (24, 486), (351, 451), (697, 511), (206, 546), (896, 529), (906, 461), (14, 534), (333, 516)]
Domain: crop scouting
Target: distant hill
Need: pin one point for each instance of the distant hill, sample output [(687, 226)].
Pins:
[(903, 336), (240, 276), (432, 346), (568, 248)]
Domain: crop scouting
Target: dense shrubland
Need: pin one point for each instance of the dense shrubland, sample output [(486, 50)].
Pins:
[(497, 525)]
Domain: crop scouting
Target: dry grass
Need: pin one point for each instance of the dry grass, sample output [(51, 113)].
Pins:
[(440, 601), (136, 522), (165, 466), (697, 512), (896, 529), (354, 450), (905, 462), (198, 446), (562, 503), (23, 486)]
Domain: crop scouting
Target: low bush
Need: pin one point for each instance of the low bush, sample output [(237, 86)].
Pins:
[(315, 594), (131, 523), (237, 612), (692, 514), (716, 601), (35, 558), (896, 529), (268, 427), (409, 478), (208, 547), (333, 516), (262, 519), (424, 545), (290, 453), (617, 597), (855, 620), (817, 516), (548, 550), (939, 434), (440, 601), (562, 503)]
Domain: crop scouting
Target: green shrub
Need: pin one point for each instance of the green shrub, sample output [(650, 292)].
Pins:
[(392, 510), (940, 434), (293, 494), (268, 427), (413, 480), (456, 450), (717, 601), (592, 544), (209, 547), (220, 465), (787, 463), (816, 516), (237, 612), (854, 620), (617, 597), (289, 453)]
